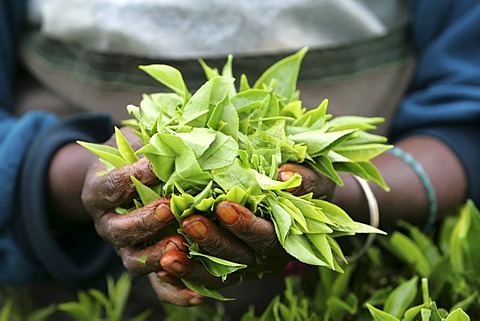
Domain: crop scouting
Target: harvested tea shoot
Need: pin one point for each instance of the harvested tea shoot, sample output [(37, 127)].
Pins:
[(224, 142)]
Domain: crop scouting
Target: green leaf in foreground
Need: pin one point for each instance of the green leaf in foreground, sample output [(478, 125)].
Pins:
[(146, 194), (124, 148), (200, 289), (170, 77), (283, 74), (107, 153), (216, 266)]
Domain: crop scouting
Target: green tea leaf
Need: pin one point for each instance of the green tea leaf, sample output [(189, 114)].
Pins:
[(224, 118), (237, 195), (236, 174), (269, 184), (124, 147), (360, 153), (107, 153), (324, 165), (204, 291), (406, 249), (310, 120), (294, 212), (299, 247), (217, 266), (401, 298), (334, 213), (161, 157), (320, 243), (412, 312), (457, 315), (282, 220), (146, 194), (205, 205), (355, 122), (337, 306), (221, 153), (199, 140), (284, 74), (169, 76), (181, 205), (197, 110), (187, 172), (379, 315), (318, 141), (209, 71)]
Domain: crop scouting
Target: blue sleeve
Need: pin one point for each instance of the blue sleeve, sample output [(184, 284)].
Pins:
[(29, 249), (444, 98), (71, 253), (15, 138)]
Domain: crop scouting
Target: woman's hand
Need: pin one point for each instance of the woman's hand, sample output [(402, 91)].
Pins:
[(239, 237), (128, 233)]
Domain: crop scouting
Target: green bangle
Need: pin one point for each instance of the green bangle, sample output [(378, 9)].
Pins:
[(422, 175)]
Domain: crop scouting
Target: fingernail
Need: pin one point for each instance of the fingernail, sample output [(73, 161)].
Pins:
[(170, 246), (175, 267), (196, 229), (285, 176), (227, 214), (162, 214)]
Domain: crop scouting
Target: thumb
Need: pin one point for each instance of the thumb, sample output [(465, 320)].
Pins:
[(312, 181)]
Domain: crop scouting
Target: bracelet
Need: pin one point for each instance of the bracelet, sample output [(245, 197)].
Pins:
[(374, 217), (422, 175)]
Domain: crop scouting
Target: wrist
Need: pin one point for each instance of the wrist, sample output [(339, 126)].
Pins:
[(65, 182)]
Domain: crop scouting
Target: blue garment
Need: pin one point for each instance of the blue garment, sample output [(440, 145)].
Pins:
[(444, 97), (443, 101), (28, 249), (15, 137)]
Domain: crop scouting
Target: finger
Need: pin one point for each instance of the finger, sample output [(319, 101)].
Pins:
[(146, 260), (103, 193), (178, 295), (312, 181), (136, 226), (253, 230), (178, 264), (166, 277), (217, 242)]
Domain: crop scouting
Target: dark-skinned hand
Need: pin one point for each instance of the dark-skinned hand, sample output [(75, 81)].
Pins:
[(238, 235)]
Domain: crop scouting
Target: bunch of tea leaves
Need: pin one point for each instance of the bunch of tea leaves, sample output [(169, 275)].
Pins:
[(223, 143)]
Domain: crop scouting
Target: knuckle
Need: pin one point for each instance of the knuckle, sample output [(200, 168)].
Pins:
[(270, 245), (143, 171), (113, 188), (131, 265), (113, 232), (263, 237), (141, 225)]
